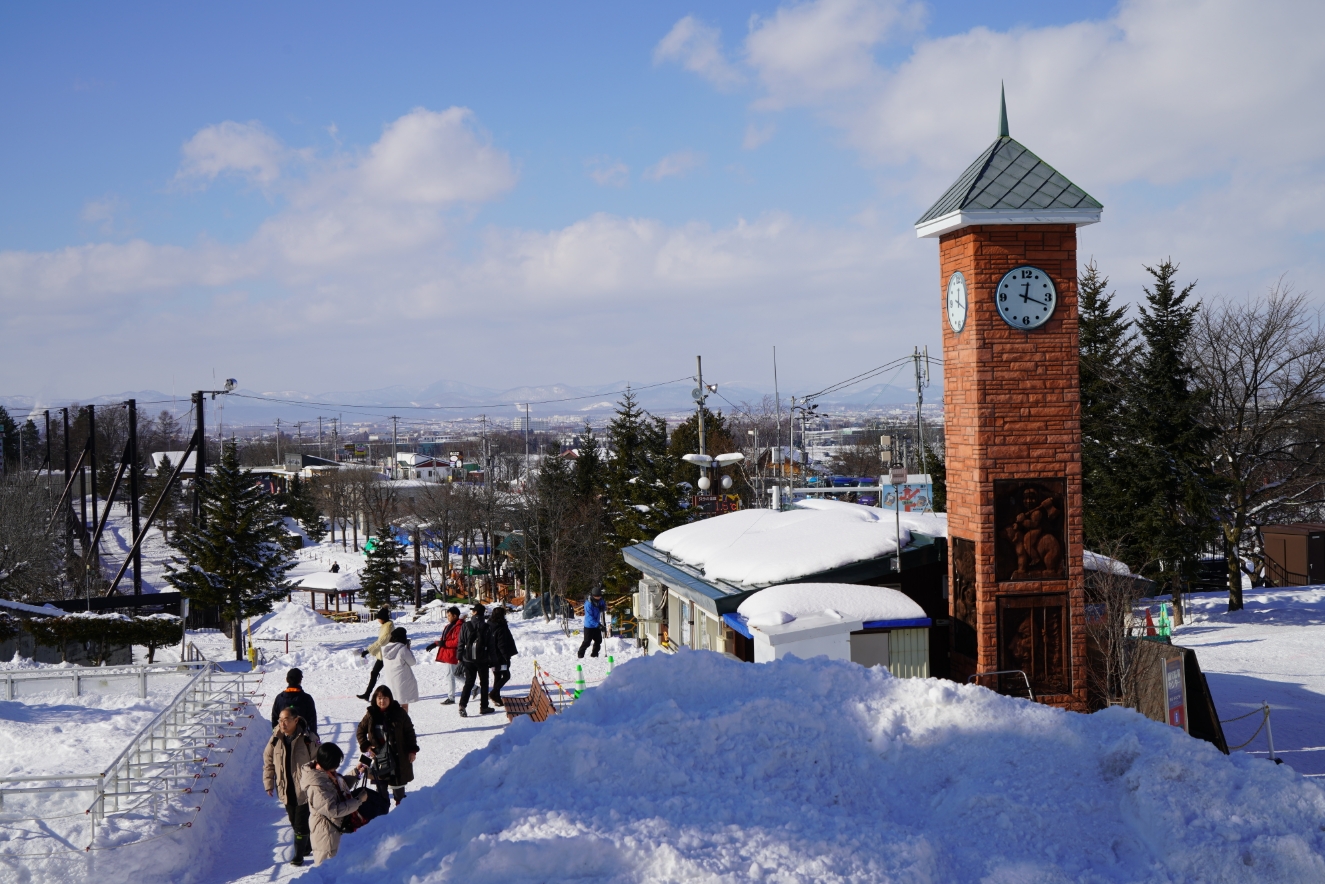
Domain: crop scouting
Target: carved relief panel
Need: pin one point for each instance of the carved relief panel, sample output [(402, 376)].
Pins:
[(1030, 540)]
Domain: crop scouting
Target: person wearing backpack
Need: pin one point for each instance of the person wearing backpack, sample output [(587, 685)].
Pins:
[(501, 648), (595, 615), (329, 800), (473, 653), (388, 744), (296, 698), (397, 673), (446, 647), (291, 748)]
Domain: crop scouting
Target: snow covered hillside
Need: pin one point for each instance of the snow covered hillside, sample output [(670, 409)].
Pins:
[(700, 768)]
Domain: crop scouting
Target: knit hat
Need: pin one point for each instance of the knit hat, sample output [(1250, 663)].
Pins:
[(597, 591), (384, 614)]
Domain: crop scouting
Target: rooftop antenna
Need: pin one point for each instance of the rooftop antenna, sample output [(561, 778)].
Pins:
[(1002, 112)]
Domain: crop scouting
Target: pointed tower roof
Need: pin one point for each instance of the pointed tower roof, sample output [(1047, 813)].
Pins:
[(1007, 184)]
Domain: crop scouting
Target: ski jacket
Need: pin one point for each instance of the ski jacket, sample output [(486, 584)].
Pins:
[(595, 611), (383, 637), (449, 642), (397, 659), (329, 801), (501, 644), (302, 704), (395, 728), (282, 760), (473, 648)]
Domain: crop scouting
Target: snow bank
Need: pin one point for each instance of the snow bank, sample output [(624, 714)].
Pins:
[(760, 547), (288, 618), (316, 656), (848, 601), (697, 768)]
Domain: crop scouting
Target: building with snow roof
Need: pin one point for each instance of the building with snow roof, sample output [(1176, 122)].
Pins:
[(697, 574)]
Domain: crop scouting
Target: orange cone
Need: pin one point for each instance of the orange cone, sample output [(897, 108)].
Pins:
[(1150, 624)]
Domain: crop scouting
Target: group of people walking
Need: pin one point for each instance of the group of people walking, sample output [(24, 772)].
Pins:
[(303, 772)]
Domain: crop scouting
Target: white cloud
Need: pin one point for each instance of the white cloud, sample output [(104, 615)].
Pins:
[(608, 172), (106, 213), (697, 47), (810, 50), (246, 149), (434, 158), (757, 136), (675, 165)]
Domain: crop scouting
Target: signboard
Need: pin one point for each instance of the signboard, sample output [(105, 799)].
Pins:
[(914, 498), (1175, 692), (897, 475), (716, 504)]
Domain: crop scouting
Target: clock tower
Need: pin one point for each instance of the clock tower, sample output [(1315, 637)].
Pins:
[(1007, 232)]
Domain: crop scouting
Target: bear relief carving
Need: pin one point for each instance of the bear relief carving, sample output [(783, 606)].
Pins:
[(1029, 529)]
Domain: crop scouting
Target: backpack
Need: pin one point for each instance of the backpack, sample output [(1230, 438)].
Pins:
[(475, 649)]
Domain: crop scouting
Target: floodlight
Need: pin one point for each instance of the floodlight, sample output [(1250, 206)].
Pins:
[(728, 459)]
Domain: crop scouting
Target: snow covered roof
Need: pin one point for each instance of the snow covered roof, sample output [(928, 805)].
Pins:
[(47, 610), (763, 547), (847, 601), (326, 581), (190, 464)]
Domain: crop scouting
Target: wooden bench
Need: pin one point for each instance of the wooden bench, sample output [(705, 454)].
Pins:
[(538, 705)]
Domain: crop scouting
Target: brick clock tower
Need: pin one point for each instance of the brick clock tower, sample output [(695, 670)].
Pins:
[(1007, 232)]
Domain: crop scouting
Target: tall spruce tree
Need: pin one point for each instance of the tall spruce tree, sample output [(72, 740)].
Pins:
[(236, 558), (8, 440), (1174, 510), (1108, 355), (641, 496), (381, 579)]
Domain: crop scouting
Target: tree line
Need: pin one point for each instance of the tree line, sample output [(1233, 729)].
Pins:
[(1200, 423)]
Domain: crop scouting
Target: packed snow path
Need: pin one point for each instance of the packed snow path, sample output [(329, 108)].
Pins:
[(257, 841)]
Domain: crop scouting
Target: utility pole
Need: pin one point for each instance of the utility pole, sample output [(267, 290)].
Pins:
[(699, 369), (922, 381), (48, 447), (278, 442), (69, 521), (199, 460), (319, 436), (395, 459), (527, 474)]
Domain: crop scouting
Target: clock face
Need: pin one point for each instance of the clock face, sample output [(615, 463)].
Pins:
[(1026, 297), (957, 301)]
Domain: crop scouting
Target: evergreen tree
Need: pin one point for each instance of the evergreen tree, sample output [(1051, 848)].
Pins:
[(641, 496), (938, 475), (381, 579), (156, 486), (1107, 360), (1173, 507), (298, 502), (8, 440), (587, 474), (236, 558), (34, 453)]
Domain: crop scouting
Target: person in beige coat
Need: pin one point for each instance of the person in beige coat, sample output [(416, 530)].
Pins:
[(383, 637), (329, 800), (291, 748)]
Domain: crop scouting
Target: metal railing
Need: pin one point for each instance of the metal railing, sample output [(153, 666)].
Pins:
[(102, 675), (174, 756)]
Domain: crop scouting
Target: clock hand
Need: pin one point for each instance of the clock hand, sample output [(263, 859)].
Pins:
[(1033, 301)]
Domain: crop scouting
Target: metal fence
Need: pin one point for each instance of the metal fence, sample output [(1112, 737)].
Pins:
[(20, 683), (167, 766)]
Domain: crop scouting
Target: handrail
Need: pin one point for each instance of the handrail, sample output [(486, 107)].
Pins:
[(203, 671), (972, 679), (78, 674)]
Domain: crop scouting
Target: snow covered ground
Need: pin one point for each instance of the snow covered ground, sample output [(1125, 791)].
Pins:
[(699, 768), (1273, 650)]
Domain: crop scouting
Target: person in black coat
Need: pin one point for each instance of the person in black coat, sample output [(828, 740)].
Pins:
[(501, 648), (473, 654), (295, 698)]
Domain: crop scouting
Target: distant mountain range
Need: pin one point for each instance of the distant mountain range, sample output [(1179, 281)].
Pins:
[(447, 400)]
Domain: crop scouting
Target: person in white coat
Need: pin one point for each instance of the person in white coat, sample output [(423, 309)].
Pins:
[(397, 671)]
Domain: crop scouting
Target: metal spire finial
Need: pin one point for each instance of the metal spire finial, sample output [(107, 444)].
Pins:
[(1002, 112)]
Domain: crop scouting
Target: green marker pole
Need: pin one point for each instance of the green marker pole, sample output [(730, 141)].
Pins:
[(579, 680)]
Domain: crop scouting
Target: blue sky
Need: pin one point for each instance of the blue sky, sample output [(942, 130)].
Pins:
[(336, 196)]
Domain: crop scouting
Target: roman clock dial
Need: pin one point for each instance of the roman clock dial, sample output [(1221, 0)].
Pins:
[(957, 301), (1026, 297)]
